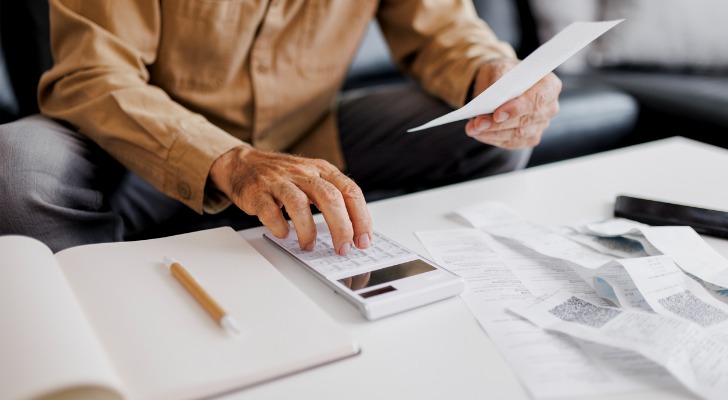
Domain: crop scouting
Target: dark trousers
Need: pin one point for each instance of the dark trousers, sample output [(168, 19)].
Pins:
[(60, 188)]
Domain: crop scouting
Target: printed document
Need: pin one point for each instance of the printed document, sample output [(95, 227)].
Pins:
[(687, 350), (670, 292), (549, 365), (501, 221), (669, 319), (681, 243)]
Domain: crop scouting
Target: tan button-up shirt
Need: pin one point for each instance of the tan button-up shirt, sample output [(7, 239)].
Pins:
[(167, 86)]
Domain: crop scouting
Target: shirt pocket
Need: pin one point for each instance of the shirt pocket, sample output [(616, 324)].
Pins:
[(197, 41), (328, 35)]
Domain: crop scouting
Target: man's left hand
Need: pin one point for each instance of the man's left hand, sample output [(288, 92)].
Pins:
[(519, 123)]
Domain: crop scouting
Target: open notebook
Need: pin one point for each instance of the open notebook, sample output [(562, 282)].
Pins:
[(109, 321)]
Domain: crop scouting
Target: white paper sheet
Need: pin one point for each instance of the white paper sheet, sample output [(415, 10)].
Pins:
[(617, 246), (499, 220), (619, 288), (617, 227), (669, 291), (681, 243), (612, 227), (526, 74), (688, 351), (690, 252), (549, 365)]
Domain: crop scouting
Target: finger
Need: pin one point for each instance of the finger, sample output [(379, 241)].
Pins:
[(346, 282), (544, 113), (330, 201), (355, 204), (297, 206), (530, 138), (525, 127), (540, 95), (360, 281), (479, 124), (487, 123), (265, 208), (521, 137), (506, 130)]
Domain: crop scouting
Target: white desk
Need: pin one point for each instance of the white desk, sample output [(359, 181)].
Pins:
[(440, 351)]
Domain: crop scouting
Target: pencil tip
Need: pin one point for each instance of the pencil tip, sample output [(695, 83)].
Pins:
[(168, 261), (230, 325)]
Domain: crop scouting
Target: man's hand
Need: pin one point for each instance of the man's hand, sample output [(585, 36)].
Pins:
[(520, 122), (260, 183)]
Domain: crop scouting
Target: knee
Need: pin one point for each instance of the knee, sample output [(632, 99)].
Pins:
[(14, 159), (515, 159), (27, 142), (17, 163), (32, 165), (25, 146), (497, 160), (476, 159), (486, 160)]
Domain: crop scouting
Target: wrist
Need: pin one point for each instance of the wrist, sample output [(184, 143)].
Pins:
[(223, 167)]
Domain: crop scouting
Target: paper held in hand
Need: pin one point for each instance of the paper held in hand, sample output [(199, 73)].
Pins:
[(526, 74)]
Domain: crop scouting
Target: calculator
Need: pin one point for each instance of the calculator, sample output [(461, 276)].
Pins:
[(385, 279)]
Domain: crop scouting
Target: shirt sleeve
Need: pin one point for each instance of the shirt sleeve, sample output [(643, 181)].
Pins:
[(440, 43), (100, 84)]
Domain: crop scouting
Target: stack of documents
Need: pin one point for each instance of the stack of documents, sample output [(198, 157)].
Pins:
[(594, 308)]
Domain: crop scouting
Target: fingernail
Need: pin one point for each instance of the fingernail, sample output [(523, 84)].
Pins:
[(345, 249), (484, 125), (310, 246), (502, 117), (364, 241)]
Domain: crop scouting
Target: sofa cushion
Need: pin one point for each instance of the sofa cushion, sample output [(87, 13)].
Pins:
[(551, 17), (667, 34), (699, 97), (670, 34), (8, 104), (25, 38), (503, 18)]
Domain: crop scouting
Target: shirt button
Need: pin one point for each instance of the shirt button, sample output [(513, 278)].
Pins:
[(263, 66), (184, 191)]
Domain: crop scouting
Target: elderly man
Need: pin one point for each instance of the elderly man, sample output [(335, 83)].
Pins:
[(155, 110)]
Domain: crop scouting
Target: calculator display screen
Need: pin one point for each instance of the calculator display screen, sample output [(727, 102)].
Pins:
[(388, 274)]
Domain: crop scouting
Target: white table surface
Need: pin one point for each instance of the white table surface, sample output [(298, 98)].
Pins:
[(439, 351)]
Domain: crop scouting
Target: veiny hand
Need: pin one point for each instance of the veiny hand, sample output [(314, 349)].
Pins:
[(261, 182), (520, 122)]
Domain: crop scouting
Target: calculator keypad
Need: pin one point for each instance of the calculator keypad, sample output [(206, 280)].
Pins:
[(324, 259)]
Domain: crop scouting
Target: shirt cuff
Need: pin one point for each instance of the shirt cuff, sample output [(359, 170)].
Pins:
[(190, 158), (214, 201)]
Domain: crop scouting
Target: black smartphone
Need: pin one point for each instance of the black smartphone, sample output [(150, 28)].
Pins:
[(653, 212)]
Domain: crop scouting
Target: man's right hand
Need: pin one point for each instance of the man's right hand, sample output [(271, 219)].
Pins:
[(261, 182)]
